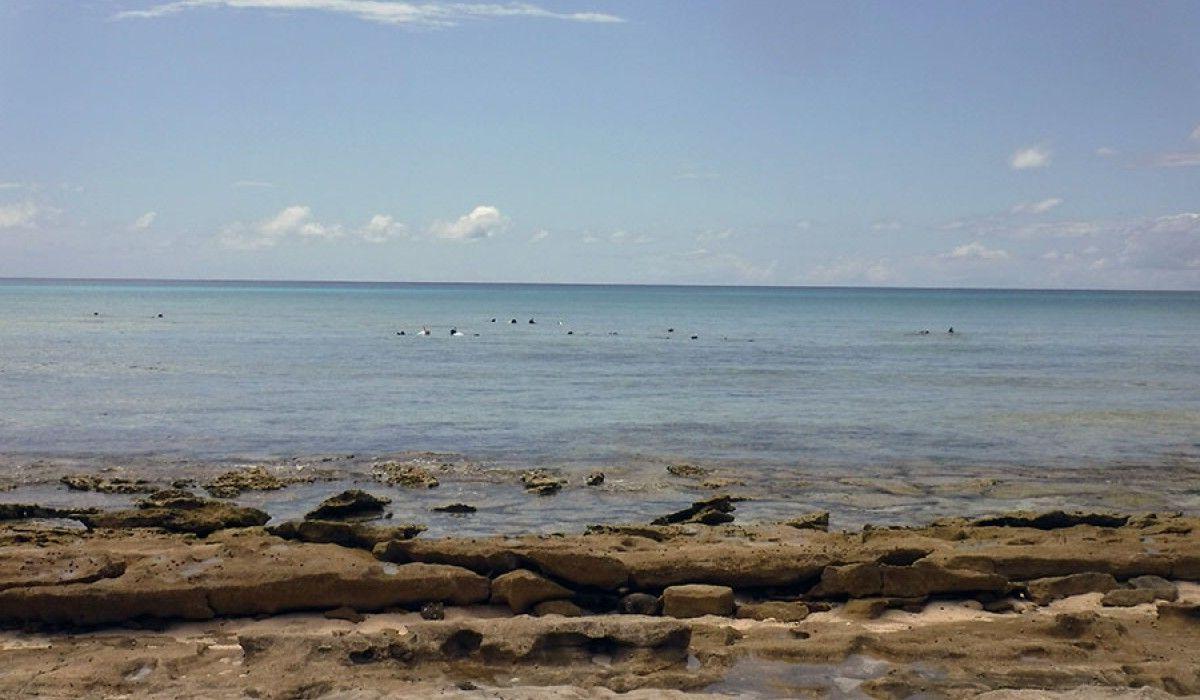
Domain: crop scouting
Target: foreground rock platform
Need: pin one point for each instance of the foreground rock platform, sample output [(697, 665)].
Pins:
[(956, 608)]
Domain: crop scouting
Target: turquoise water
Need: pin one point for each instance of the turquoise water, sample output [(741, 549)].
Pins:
[(776, 376)]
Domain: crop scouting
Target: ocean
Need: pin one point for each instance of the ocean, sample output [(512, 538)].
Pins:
[(775, 377)]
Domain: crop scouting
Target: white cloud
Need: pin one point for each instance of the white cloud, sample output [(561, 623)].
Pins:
[(1039, 207), (482, 222), (1030, 157), (19, 214), (1178, 160), (727, 265), (714, 235), (253, 183), (697, 175), (539, 236), (1195, 135), (1106, 152), (975, 251), (144, 221), (803, 225), (416, 14), (1165, 243), (297, 221), (887, 225), (12, 185)]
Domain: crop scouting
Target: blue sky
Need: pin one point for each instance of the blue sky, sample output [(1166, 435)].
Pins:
[(752, 142)]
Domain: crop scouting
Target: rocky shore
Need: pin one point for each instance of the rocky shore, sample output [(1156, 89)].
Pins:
[(185, 595)]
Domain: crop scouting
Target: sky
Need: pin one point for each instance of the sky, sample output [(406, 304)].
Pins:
[(955, 144)]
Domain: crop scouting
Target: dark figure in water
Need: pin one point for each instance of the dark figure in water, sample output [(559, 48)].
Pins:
[(670, 330), (399, 332), (493, 320), (160, 315), (695, 337), (570, 332), (923, 332), (513, 321), (532, 321), (95, 313), (951, 331)]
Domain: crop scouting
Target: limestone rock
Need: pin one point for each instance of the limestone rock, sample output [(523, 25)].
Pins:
[(810, 521), (176, 511), (233, 483), (349, 505), (695, 600), (1127, 597), (1163, 589), (541, 482), (344, 613), (783, 611), (557, 607), (521, 589), (91, 482), (865, 608), (687, 471), (1045, 590), (595, 479), (408, 475), (920, 579), (1052, 520), (455, 508)]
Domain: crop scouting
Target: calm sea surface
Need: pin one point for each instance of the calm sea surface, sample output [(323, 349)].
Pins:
[(776, 376)]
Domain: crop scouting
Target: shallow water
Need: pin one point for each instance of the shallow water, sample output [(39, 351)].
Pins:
[(777, 377)]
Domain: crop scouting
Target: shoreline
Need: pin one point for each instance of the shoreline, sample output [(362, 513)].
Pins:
[(188, 591)]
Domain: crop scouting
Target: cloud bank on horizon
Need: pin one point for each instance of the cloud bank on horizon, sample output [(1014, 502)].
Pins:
[(605, 141)]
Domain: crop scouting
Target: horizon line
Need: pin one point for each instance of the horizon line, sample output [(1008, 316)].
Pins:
[(252, 280)]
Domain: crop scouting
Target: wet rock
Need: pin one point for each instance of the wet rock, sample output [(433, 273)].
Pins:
[(98, 484), (865, 608), (557, 607), (639, 604), (541, 483), (1046, 590), (811, 521), (353, 504), (346, 534), (433, 611), (720, 484), (344, 613), (695, 600), (233, 483), (1052, 520), (177, 511), (711, 511), (1163, 589), (1127, 597), (455, 508), (687, 471), (408, 475), (521, 589), (595, 479), (27, 511), (783, 611), (921, 579)]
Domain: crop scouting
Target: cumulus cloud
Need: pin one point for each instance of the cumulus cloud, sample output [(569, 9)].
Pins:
[(1165, 243), (12, 185), (416, 14), (1039, 207), (1195, 135), (19, 214), (1106, 152), (1029, 157), (482, 222), (728, 265), (144, 221), (539, 236), (975, 251), (851, 271), (297, 222), (887, 225)]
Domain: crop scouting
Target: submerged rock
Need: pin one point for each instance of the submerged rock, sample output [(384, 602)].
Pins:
[(27, 511), (359, 535), (456, 508), (408, 475), (177, 511), (696, 600), (687, 471), (232, 483), (711, 511), (98, 484), (595, 479), (1052, 520), (522, 589), (353, 504)]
